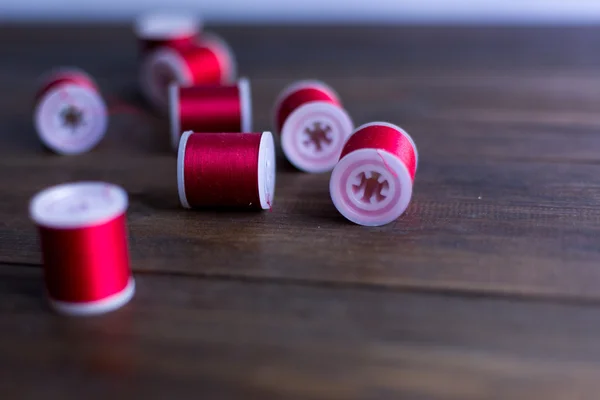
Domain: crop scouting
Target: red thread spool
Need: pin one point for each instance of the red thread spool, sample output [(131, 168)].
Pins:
[(70, 116), (210, 61), (226, 170), (312, 124), (178, 31), (84, 247), (372, 183), (210, 108)]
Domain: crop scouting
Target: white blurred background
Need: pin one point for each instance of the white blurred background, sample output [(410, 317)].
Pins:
[(319, 11)]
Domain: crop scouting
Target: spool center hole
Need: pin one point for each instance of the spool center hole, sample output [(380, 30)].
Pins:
[(72, 117), (371, 188), (318, 135)]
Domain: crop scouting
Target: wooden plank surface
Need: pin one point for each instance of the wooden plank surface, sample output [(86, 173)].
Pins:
[(486, 288), (229, 339)]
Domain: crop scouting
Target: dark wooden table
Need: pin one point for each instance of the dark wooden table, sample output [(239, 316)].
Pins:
[(487, 288)]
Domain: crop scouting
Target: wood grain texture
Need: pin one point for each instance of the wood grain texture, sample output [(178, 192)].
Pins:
[(229, 339), (487, 287)]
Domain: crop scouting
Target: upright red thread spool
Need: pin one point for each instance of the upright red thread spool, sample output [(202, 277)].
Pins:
[(210, 61), (174, 30), (70, 116), (372, 183), (226, 170), (84, 246), (210, 108), (312, 124)]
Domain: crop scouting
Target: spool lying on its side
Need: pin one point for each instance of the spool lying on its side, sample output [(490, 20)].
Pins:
[(70, 116), (210, 108), (312, 124), (372, 183), (210, 61), (226, 170)]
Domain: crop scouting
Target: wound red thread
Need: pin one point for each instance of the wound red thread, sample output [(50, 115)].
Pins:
[(312, 125), (208, 62), (372, 183), (84, 248), (85, 264), (210, 108), (383, 137), (222, 170), (303, 94), (70, 115), (65, 76), (204, 65)]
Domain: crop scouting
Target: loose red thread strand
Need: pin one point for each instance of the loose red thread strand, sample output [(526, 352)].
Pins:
[(268, 196), (221, 170), (86, 264), (116, 107), (387, 166)]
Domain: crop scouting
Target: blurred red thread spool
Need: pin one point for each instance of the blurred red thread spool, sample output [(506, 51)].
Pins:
[(312, 125), (210, 61), (210, 108), (70, 116), (173, 30), (372, 183), (84, 246), (226, 170)]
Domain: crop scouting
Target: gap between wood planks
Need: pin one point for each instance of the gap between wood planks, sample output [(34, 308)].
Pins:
[(416, 288)]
